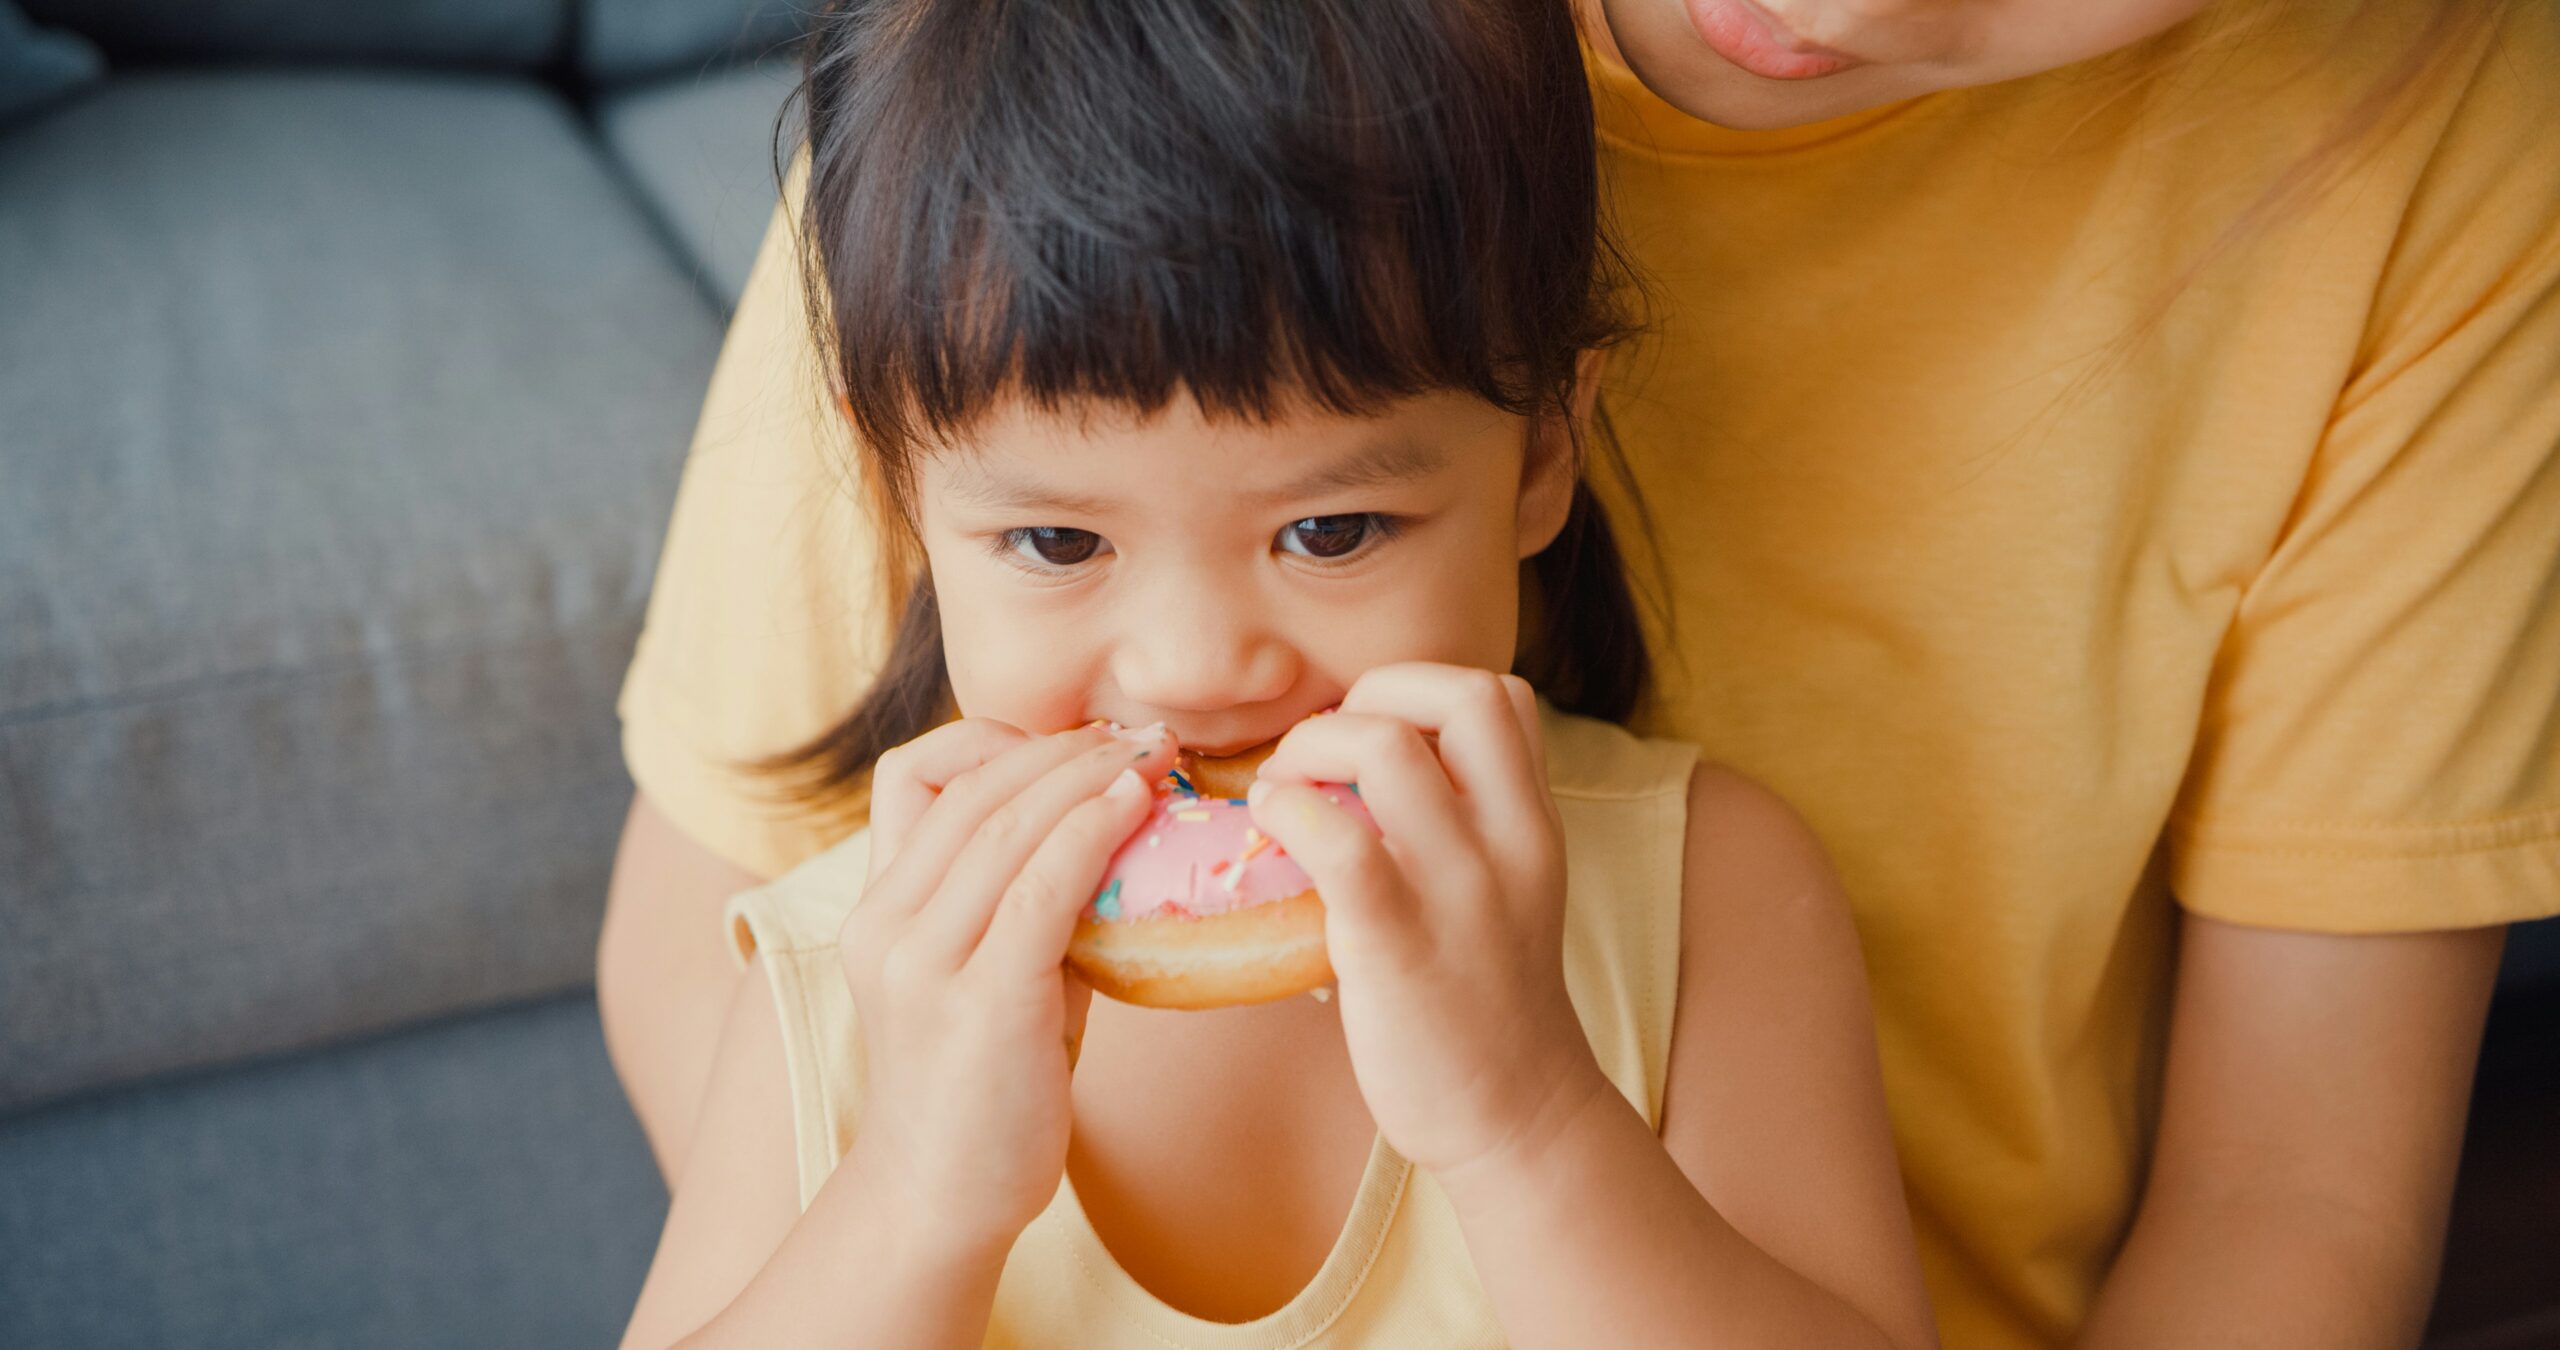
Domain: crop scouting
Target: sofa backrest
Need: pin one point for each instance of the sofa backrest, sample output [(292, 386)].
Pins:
[(603, 42), (511, 34), (623, 40)]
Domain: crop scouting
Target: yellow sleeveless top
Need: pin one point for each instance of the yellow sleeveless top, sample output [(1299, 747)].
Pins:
[(1398, 1274)]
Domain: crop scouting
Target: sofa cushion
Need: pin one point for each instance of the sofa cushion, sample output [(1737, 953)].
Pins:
[(39, 66), (621, 40), (703, 150), (511, 33), (343, 417), (475, 1183)]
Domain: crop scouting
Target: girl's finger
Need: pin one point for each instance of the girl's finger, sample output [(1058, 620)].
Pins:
[(1363, 886), (1488, 741), (965, 800), (1524, 710), (1400, 779), (1029, 925), (951, 924), (906, 780), (1484, 727)]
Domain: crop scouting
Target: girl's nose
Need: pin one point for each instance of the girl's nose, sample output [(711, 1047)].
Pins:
[(1199, 655)]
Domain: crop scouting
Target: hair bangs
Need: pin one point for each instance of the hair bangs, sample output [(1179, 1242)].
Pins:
[(1335, 202)]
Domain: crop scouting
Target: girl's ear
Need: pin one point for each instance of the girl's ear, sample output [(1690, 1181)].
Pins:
[(1553, 462)]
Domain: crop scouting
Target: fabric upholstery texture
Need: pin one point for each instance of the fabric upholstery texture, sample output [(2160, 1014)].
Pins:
[(622, 40), (40, 66), (475, 1183), (343, 411), (347, 376), (517, 34), (702, 149)]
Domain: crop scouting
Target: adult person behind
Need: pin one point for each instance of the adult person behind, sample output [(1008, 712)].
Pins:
[(2104, 463)]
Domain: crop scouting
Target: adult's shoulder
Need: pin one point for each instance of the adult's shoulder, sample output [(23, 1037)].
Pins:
[(2479, 215)]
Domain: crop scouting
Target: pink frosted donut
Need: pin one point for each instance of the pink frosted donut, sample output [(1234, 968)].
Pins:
[(1200, 909)]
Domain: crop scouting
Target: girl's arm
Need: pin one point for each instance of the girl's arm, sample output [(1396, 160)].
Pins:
[(984, 844), (1770, 1210), (2311, 1119), (739, 1264)]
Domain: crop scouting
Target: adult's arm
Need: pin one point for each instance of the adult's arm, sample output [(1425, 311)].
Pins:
[(2311, 1120), (661, 978), (2373, 795), (764, 626)]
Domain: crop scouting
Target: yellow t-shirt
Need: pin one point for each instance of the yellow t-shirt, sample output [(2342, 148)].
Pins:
[(1398, 1274), (2046, 631)]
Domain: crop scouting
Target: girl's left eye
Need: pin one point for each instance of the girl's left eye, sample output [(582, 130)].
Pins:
[(1331, 538), (1048, 548)]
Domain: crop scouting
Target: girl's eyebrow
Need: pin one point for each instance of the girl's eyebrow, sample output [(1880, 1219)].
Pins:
[(1375, 464), (980, 486)]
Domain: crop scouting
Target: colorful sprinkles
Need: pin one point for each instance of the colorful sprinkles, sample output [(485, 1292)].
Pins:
[(1181, 800), (1228, 873)]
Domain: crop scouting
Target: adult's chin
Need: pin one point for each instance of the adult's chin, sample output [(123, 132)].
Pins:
[(1659, 42)]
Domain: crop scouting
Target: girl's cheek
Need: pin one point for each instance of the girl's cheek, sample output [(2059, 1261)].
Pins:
[(1015, 662)]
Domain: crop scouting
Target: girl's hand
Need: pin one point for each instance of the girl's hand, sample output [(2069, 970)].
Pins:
[(1446, 926), (986, 842)]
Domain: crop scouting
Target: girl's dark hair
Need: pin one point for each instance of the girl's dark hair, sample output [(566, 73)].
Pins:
[(1326, 203)]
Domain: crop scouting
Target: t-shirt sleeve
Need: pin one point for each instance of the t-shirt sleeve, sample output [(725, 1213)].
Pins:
[(2380, 745), (766, 622)]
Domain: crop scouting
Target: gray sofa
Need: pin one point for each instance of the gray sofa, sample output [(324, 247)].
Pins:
[(348, 354)]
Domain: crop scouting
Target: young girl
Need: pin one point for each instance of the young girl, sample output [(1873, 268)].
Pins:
[(1226, 362)]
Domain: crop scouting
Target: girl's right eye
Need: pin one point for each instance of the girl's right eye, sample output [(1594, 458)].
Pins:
[(1045, 548)]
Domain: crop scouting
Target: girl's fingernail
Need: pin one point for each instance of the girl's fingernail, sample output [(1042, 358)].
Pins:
[(1127, 787), (1150, 733)]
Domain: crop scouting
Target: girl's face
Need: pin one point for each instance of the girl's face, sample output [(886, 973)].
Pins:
[(1779, 63), (1226, 578)]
